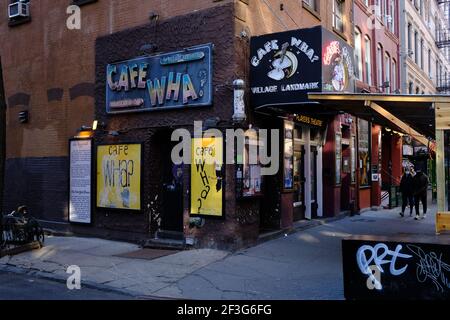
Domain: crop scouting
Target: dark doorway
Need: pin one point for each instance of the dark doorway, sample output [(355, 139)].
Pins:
[(314, 200), (299, 181), (172, 189), (2, 134)]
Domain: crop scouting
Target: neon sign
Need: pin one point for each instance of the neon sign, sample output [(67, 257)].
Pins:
[(332, 49)]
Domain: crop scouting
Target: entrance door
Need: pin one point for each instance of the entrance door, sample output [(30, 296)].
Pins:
[(299, 181), (314, 200), (345, 179), (2, 133), (172, 189)]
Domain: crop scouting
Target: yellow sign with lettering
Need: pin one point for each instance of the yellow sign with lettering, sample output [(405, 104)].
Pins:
[(207, 176), (119, 176)]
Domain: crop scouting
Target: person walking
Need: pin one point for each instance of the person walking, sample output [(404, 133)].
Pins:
[(420, 186), (406, 188)]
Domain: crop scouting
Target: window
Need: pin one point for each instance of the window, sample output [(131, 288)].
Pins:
[(368, 59), (385, 12), (421, 55), (394, 76), (416, 49), (392, 14), (429, 63), (387, 72), (18, 12), (312, 4), (409, 38), (379, 65), (358, 55), (338, 15), (83, 2)]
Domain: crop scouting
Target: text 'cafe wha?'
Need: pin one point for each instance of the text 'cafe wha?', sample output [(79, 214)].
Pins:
[(172, 80)]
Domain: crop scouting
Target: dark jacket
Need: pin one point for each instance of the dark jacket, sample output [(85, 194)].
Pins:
[(420, 184), (406, 184)]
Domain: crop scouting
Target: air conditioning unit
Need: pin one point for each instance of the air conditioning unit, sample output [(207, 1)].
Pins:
[(19, 9)]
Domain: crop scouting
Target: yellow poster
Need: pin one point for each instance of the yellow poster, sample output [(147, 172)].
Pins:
[(119, 176), (207, 176)]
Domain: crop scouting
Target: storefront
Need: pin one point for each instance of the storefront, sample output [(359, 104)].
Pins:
[(155, 174), (319, 146)]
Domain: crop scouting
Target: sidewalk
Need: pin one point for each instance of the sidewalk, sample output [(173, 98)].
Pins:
[(302, 265)]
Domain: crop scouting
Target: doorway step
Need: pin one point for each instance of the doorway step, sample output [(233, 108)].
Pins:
[(169, 240)]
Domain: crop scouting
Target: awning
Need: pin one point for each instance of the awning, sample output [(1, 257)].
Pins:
[(411, 114)]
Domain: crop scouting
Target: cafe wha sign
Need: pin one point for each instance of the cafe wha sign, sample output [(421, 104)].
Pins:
[(285, 66), (164, 81)]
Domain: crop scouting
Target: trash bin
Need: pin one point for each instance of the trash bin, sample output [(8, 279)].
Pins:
[(394, 196)]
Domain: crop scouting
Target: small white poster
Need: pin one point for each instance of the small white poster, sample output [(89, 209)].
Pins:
[(80, 181)]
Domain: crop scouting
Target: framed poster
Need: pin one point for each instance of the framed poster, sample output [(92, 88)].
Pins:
[(288, 156), (207, 177), (364, 152), (119, 176), (80, 181), (252, 178)]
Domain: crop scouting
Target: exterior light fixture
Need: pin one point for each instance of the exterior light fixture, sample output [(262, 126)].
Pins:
[(239, 104)]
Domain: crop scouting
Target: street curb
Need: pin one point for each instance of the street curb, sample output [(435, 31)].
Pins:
[(87, 284), (296, 228)]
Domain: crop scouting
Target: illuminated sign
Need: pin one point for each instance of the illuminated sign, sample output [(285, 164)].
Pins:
[(286, 66), (309, 120), (338, 73), (172, 80)]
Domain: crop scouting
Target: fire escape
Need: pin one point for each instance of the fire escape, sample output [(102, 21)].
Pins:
[(443, 43)]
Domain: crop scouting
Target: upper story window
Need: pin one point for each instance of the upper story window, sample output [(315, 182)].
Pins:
[(416, 47), (368, 59), (379, 65), (394, 76), (421, 54), (392, 14), (358, 54), (338, 15), (312, 4), (410, 47), (387, 72), (18, 12)]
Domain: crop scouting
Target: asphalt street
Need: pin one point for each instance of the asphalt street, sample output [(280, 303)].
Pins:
[(23, 287)]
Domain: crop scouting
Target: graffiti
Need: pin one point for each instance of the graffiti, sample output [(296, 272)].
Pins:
[(378, 256), (247, 216), (155, 215), (431, 267)]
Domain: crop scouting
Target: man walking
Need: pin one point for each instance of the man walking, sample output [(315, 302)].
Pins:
[(420, 186), (406, 188)]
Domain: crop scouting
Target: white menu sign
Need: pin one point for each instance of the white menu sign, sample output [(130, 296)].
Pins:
[(80, 181)]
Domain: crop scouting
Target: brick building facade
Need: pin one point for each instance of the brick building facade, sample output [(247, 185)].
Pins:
[(59, 76)]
